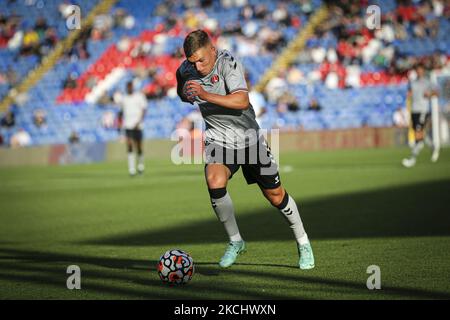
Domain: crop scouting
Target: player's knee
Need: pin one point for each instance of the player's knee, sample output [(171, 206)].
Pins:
[(275, 196), (216, 181), (275, 200)]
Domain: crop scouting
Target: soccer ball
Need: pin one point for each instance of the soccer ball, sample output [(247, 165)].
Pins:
[(175, 267)]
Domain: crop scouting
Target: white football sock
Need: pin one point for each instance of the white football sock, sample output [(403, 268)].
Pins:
[(417, 148), (224, 210), (290, 212), (141, 166), (131, 163), (303, 240)]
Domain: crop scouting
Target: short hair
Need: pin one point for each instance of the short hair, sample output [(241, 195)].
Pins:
[(420, 65), (195, 40)]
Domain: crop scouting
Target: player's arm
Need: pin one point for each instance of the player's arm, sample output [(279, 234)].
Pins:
[(433, 92), (237, 100), (233, 73), (144, 111), (120, 119), (409, 90), (141, 120), (180, 87)]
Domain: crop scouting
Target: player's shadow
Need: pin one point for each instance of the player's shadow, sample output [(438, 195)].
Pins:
[(48, 271), (107, 277), (403, 211)]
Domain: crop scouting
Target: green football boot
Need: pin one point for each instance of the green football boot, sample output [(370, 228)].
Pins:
[(234, 249), (306, 260)]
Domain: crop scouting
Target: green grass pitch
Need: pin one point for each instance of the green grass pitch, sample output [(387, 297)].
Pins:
[(359, 207)]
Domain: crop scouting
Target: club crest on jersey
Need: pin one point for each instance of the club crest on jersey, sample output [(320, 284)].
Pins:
[(214, 78)]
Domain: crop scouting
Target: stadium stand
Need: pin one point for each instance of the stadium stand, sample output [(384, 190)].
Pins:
[(358, 76)]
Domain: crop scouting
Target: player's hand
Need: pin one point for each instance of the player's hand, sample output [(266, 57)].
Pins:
[(194, 89), (189, 96)]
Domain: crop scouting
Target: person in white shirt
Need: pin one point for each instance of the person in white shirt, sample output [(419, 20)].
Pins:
[(400, 118), (420, 90), (20, 139), (134, 105)]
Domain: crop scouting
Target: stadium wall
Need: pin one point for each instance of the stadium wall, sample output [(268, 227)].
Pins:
[(343, 139), (161, 149)]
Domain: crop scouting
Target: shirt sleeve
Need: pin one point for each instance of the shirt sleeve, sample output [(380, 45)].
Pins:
[(143, 102), (234, 75), (140, 101), (181, 81), (432, 86)]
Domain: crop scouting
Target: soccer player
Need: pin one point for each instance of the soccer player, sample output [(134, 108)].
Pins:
[(133, 108), (215, 80), (420, 91)]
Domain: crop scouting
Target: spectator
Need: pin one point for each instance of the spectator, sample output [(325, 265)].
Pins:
[(71, 81), (353, 76), (276, 87), (306, 7), (65, 9), (30, 42), (20, 139), (102, 27), (74, 137), (79, 49), (400, 118), (40, 27), (246, 47), (295, 76), (438, 7), (39, 118), (123, 19), (3, 78), (287, 103), (257, 101), (281, 15), (314, 105), (192, 121), (12, 33), (124, 44), (233, 3), (260, 11), (318, 54), (48, 42), (247, 12), (406, 11), (108, 120), (8, 120), (92, 81)]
